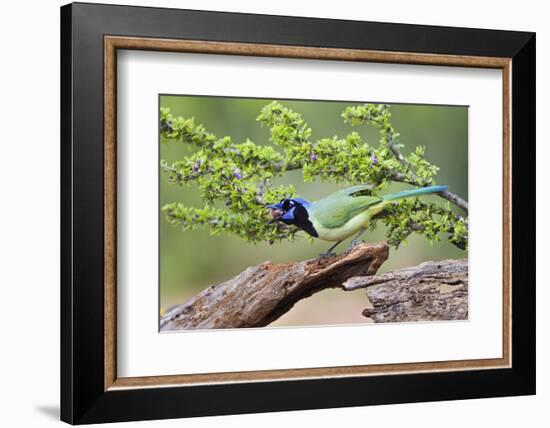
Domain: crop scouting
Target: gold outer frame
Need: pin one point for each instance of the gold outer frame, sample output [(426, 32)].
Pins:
[(113, 43)]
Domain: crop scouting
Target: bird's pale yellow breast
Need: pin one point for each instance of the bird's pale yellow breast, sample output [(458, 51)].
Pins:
[(354, 225)]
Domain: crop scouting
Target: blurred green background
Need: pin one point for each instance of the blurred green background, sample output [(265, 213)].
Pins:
[(186, 258)]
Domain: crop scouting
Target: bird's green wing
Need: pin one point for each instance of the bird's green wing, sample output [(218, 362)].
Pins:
[(337, 209), (351, 191)]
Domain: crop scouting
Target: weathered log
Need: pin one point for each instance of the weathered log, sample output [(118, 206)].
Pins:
[(429, 291), (263, 293)]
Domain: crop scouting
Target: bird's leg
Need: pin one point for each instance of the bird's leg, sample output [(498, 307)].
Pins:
[(328, 254), (356, 240), (333, 247)]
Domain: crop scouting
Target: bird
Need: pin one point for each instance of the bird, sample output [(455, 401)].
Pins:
[(341, 214)]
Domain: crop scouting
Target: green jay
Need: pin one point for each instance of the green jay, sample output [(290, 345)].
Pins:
[(341, 214)]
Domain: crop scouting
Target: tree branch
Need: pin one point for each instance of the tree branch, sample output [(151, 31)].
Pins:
[(455, 199), (429, 291), (263, 293)]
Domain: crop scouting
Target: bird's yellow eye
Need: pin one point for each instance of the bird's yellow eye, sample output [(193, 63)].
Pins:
[(287, 204)]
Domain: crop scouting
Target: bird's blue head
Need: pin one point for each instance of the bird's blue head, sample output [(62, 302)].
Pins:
[(293, 211)]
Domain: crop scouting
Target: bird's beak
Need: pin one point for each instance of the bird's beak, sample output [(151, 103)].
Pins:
[(275, 212)]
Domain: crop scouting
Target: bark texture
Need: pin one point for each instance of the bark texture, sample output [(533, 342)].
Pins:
[(427, 292), (263, 293)]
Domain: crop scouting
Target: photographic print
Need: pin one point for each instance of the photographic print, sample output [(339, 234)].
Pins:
[(291, 206), (286, 213)]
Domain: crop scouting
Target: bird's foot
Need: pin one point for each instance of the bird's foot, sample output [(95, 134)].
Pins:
[(353, 244), (325, 256)]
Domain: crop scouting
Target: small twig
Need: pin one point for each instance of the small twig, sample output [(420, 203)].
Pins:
[(397, 153)]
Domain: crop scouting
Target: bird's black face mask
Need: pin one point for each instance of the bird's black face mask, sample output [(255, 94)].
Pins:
[(291, 211)]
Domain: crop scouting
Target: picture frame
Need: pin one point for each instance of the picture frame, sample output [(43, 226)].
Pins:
[(91, 390)]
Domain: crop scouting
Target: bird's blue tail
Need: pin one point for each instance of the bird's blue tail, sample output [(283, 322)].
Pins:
[(414, 192)]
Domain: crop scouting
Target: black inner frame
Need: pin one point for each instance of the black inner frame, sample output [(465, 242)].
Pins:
[(83, 399)]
